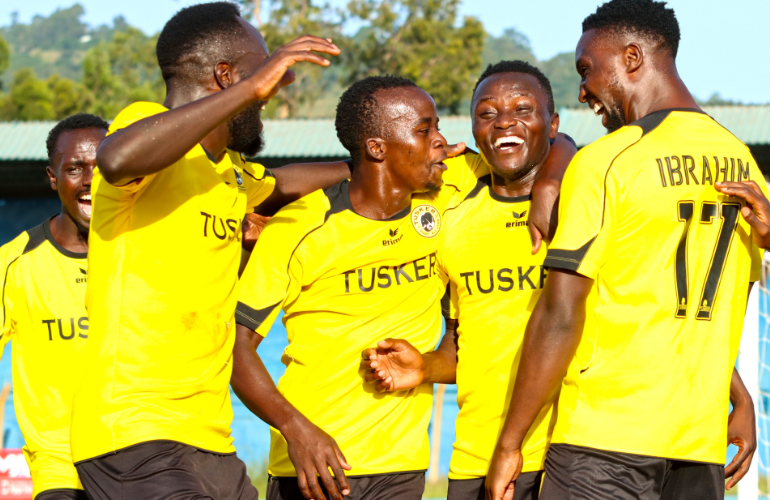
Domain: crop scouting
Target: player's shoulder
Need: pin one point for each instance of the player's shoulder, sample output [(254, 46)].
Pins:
[(24, 243), (463, 170), (306, 214), (135, 112), (602, 152)]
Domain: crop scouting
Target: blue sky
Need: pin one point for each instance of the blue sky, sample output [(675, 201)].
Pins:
[(721, 49)]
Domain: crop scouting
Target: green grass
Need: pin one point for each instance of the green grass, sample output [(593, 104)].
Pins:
[(437, 489), (258, 474)]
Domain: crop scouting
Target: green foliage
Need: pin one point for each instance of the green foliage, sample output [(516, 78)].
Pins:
[(28, 99), (290, 19), (512, 45), (5, 57), (420, 40), (565, 81), (122, 71)]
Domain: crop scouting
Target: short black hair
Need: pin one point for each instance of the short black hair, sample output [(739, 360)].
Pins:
[(357, 117), (195, 35), (74, 122), (644, 17), (518, 67)]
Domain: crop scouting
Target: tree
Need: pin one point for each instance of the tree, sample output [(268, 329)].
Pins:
[(565, 81), (28, 99), (417, 39), (122, 71), (5, 57), (510, 46), (288, 20)]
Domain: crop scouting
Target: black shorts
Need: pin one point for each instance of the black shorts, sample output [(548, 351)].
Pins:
[(62, 494), (526, 487), (165, 469), (396, 486), (575, 472)]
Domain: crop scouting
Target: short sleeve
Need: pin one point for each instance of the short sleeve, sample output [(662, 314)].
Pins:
[(586, 216), (274, 271), (9, 254), (132, 114), (259, 182)]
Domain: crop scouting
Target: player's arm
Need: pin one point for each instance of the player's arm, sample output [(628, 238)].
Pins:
[(741, 430), (312, 451), (156, 142), (395, 364), (294, 181), (757, 213), (551, 339), (545, 192)]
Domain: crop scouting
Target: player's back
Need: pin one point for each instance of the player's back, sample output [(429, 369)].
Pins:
[(672, 260)]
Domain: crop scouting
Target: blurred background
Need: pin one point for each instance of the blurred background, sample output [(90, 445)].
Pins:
[(60, 57)]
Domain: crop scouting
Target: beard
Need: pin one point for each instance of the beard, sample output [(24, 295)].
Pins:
[(246, 131), (616, 117), (432, 187)]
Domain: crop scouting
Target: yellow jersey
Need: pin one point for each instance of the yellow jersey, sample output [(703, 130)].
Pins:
[(671, 259), (494, 283), (346, 282), (163, 261), (43, 313)]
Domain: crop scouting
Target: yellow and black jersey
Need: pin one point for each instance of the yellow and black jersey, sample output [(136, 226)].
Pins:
[(346, 282), (671, 259), (43, 313), (163, 260), (494, 283)]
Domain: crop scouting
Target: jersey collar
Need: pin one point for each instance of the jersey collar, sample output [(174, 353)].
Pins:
[(57, 246)]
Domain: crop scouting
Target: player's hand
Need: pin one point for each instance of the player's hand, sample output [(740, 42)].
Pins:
[(742, 432), (313, 452), (504, 469), (453, 150), (253, 224), (757, 214), (274, 72), (543, 212), (395, 365)]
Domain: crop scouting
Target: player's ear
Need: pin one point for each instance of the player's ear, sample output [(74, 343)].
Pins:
[(554, 125), (633, 57), (223, 74), (51, 177), (376, 148)]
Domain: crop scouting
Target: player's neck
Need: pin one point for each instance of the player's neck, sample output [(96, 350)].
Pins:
[(513, 188), (665, 90), (375, 194), (68, 234)]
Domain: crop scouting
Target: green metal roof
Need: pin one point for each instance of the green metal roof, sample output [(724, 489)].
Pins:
[(317, 137)]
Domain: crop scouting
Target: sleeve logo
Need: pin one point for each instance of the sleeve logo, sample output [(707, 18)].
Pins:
[(426, 220)]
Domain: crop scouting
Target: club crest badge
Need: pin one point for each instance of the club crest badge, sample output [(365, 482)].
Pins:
[(239, 180), (426, 220)]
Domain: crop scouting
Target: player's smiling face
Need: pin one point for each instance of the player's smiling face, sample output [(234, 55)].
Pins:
[(599, 62), (414, 145), (72, 171), (512, 124)]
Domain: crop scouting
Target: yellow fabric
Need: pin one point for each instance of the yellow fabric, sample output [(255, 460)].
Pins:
[(645, 381), (494, 283), (164, 255), (346, 282), (43, 314)]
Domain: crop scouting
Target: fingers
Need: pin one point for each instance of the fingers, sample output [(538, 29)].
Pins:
[(744, 468), (762, 229), (328, 480), (536, 237), (310, 42), (303, 485), (748, 191), (453, 150), (740, 464), (369, 354)]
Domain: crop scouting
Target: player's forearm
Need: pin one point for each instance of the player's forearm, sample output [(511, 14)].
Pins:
[(739, 395), (255, 388), (441, 364), (550, 341), (294, 181), (559, 157), (156, 142)]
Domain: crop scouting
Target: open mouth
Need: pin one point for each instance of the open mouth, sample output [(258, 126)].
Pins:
[(508, 144), (84, 202), (440, 165), (598, 108)]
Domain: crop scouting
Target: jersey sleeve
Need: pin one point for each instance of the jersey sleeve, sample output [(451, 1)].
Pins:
[(273, 274), (133, 113), (587, 208), (9, 254), (260, 183)]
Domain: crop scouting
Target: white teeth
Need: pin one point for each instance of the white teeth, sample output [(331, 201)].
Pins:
[(85, 197), (508, 140), (598, 108)]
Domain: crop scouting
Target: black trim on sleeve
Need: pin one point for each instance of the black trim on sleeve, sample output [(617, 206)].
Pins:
[(37, 235), (650, 122), (567, 259), (445, 304), (252, 318)]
